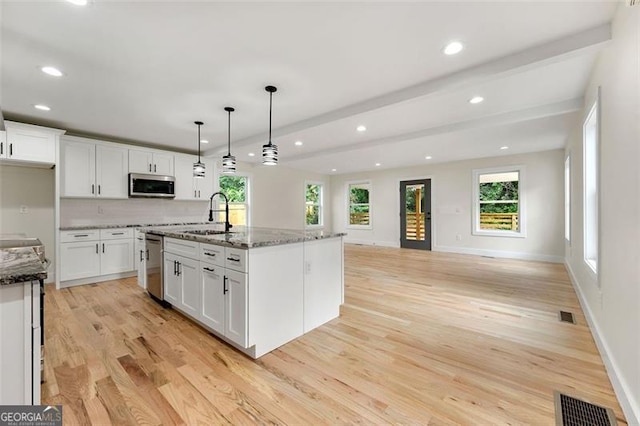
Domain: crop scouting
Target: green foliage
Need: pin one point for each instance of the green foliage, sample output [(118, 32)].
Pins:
[(495, 191), (313, 194), (410, 202), (234, 187), (499, 208), (313, 215), (359, 195)]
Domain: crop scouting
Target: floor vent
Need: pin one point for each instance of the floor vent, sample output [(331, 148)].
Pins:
[(567, 317), (575, 412)]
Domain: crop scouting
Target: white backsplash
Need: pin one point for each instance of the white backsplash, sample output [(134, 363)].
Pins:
[(87, 212)]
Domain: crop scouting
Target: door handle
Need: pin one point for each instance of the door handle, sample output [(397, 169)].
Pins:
[(224, 285), (428, 215)]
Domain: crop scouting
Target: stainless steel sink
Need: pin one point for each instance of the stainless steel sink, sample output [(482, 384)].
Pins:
[(206, 232)]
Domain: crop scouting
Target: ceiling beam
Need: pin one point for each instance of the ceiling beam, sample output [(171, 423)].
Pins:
[(537, 56), (502, 119)]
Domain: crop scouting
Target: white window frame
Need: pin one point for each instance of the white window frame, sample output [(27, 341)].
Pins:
[(320, 204), (567, 198), (247, 202), (475, 203), (591, 185), (348, 197)]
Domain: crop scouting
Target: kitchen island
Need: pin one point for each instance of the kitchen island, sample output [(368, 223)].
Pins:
[(255, 288)]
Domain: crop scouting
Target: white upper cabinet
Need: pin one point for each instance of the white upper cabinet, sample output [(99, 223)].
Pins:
[(188, 187), (27, 143), (150, 162), (93, 170)]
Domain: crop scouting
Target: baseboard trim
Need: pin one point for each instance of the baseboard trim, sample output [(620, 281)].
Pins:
[(98, 279), (372, 243), (501, 253), (631, 410)]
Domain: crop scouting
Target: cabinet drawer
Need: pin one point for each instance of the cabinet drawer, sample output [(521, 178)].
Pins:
[(115, 234), (212, 254), (235, 259), (84, 235), (186, 248)]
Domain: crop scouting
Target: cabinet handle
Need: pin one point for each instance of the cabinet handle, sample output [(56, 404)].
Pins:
[(93, 188), (175, 267), (149, 167), (224, 285), (206, 253), (179, 271), (233, 260), (80, 235), (195, 193), (209, 269), (103, 247), (1, 147), (97, 248), (147, 254), (116, 233), (198, 193), (98, 189), (10, 149), (155, 168), (141, 253)]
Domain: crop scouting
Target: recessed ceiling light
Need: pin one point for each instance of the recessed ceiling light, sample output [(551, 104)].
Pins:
[(334, 170), (51, 71), (361, 128), (504, 147), (452, 48), (78, 2), (251, 154), (298, 143), (428, 157), (42, 107), (377, 164), (204, 141), (476, 100)]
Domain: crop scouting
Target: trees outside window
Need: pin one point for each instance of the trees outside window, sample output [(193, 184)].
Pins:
[(313, 204), (498, 204), (359, 204), (236, 188)]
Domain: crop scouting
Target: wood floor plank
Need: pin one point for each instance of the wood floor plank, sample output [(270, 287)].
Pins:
[(423, 338)]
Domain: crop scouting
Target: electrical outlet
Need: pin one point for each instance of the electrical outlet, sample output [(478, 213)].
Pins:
[(24, 209), (458, 237)]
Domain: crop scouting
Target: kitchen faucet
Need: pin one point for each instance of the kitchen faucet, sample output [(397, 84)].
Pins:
[(227, 225)]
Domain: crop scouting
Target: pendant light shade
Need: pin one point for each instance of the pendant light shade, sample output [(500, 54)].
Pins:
[(198, 167), (229, 161), (270, 151)]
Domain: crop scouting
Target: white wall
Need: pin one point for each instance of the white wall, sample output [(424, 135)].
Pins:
[(613, 307), (278, 196), (451, 206), (33, 188)]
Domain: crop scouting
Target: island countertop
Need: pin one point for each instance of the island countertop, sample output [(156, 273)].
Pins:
[(18, 265), (241, 236)]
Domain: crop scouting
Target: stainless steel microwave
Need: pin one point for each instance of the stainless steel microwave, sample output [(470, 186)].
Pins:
[(151, 186)]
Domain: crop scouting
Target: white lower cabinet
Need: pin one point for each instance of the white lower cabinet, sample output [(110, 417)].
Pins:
[(212, 283), (94, 253), (235, 325), (171, 279), (190, 299)]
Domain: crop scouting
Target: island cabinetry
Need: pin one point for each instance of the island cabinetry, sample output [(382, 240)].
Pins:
[(92, 170), (181, 283), (150, 162)]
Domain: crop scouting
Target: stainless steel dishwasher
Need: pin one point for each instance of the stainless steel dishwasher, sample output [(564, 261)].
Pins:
[(155, 280)]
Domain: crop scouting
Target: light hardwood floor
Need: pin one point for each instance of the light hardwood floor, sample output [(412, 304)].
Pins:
[(423, 338)]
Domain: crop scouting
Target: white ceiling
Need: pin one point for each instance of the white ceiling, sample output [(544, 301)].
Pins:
[(143, 71)]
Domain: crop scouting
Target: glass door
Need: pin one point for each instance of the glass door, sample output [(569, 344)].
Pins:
[(415, 214)]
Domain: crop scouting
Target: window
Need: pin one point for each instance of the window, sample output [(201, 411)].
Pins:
[(590, 140), (313, 204), (359, 204), (567, 198), (498, 202), (236, 188)]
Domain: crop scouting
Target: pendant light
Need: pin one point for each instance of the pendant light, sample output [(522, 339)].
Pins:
[(229, 161), (270, 151), (198, 167)]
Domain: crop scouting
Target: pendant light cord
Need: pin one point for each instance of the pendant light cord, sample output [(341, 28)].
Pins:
[(198, 143), (270, 108), (229, 135)]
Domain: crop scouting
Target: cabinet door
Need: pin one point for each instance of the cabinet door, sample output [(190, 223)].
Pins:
[(112, 166), (322, 281), (140, 161), (236, 308), (163, 164), (213, 297), (184, 178), (190, 298), (78, 169), (171, 279), (79, 260), (4, 151), (116, 256), (204, 186), (31, 145)]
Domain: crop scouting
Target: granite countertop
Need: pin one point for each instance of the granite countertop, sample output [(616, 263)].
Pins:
[(126, 225), (241, 236), (18, 265)]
